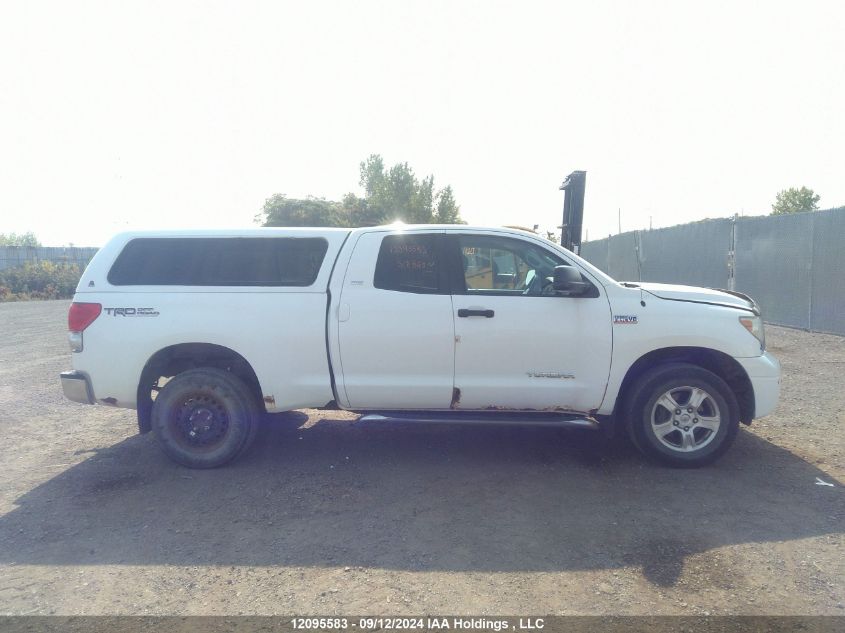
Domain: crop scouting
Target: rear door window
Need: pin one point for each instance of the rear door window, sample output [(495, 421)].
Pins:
[(410, 263)]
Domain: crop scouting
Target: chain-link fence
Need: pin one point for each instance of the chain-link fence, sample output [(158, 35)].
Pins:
[(793, 265), (12, 256)]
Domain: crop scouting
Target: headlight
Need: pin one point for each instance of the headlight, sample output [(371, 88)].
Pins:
[(754, 324)]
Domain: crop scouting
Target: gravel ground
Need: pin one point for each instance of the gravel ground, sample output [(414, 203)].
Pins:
[(327, 517)]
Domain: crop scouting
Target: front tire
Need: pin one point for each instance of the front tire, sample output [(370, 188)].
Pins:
[(204, 418), (682, 415)]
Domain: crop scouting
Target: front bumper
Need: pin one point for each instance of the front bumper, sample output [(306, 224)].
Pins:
[(765, 375), (77, 387)]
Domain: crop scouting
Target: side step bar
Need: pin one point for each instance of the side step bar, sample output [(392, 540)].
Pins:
[(514, 418)]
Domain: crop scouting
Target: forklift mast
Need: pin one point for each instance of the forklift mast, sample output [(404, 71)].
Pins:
[(573, 211)]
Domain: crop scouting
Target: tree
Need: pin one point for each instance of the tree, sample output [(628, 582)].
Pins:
[(448, 211), (24, 239), (396, 194), (390, 195), (795, 200), (279, 210)]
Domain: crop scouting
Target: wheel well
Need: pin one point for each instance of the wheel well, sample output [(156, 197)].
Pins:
[(717, 362), (175, 359)]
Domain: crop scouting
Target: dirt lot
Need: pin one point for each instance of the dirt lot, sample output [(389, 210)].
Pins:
[(327, 517)]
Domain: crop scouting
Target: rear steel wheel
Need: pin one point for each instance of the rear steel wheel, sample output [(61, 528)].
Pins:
[(204, 418), (201, 423)]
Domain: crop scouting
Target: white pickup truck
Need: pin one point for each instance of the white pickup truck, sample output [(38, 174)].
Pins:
[(203, 331)]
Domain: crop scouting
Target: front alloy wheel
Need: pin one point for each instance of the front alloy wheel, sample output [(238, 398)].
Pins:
[(685, 419), (682, 415)]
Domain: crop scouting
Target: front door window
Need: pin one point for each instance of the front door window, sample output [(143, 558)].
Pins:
[(505, 266)]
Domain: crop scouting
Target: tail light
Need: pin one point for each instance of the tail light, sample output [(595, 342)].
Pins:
[(79, 317)]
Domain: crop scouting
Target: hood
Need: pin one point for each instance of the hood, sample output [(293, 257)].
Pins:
[(692, 294)]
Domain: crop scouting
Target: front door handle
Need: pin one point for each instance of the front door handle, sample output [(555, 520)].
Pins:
[(463, 313)]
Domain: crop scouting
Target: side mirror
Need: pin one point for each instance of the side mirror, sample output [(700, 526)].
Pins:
[(568, 281)]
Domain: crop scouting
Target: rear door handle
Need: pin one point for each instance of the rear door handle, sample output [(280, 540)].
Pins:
[(463, 313)]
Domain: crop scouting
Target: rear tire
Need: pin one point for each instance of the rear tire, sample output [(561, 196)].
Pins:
[(682, 415), (204, 418)]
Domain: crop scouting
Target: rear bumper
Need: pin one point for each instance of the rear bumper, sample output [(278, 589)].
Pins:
[(765, 375), (77, 387)]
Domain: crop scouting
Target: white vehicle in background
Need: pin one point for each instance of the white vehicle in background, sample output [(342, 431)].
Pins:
[(203, 331)]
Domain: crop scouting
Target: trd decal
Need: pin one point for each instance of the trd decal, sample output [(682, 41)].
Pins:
[(132, 312)]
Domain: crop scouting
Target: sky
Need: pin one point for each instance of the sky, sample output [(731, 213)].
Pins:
[(127, 114)]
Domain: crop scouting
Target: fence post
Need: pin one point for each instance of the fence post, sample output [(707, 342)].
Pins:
[(812, 257), (638, 252), (732, 256)]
